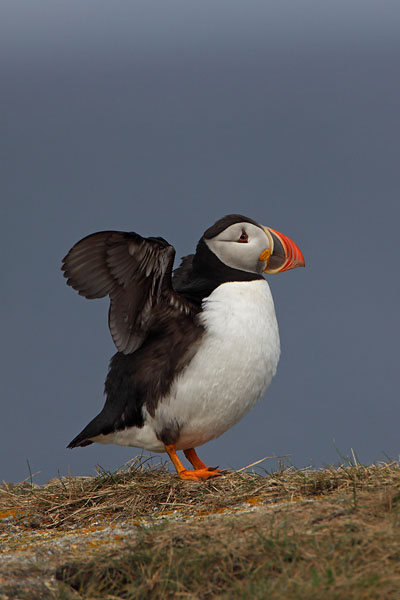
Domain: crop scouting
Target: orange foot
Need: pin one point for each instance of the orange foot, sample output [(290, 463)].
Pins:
[(200, 470), (197, 474)]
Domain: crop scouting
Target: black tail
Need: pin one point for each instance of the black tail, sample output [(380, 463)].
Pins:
[(83, 438), (79, 441)]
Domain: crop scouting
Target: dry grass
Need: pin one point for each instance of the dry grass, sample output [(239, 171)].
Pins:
[(138, 490), (331, 533)]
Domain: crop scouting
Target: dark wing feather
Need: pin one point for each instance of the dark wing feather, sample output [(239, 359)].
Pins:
[(182, 276), (135, 272)]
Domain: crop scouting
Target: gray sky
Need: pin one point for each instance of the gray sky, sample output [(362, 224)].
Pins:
[(161, 117)]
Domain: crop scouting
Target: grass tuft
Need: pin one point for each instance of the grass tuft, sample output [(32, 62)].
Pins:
[(297, 534)]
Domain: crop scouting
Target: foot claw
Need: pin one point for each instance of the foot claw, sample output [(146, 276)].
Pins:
[(221, 471)]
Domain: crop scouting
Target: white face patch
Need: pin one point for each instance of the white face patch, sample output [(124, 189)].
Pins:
[(239, 246)]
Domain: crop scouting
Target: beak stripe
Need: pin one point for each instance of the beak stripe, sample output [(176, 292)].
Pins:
[(291, 258)]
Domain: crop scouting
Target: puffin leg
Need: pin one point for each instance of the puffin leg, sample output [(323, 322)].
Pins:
[(194, 460), (202, 472)]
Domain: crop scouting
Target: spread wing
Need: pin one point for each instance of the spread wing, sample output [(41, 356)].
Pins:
[(135, 272)]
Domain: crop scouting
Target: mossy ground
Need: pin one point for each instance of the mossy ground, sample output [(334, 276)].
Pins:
[(142, 533)]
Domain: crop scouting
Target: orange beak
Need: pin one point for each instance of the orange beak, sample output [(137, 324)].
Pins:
[(283, 253)]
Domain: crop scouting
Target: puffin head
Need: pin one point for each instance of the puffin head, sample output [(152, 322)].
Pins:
[(241, 244)]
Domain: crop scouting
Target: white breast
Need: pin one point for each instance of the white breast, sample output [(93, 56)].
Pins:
[(232, 368)]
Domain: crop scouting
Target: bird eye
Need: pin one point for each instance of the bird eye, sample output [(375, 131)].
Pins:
[(244, 237)]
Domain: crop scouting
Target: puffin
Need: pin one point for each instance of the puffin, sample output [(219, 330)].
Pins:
[(197, 347)]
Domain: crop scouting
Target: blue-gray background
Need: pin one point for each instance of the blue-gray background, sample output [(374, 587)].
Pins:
[(160, 117)]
